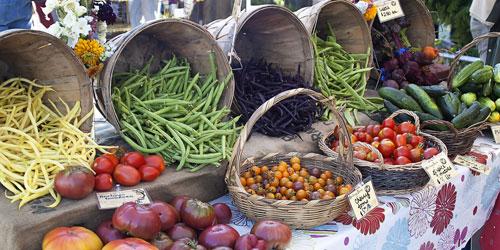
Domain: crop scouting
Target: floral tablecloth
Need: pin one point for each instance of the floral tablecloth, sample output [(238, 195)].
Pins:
[(443, 217)]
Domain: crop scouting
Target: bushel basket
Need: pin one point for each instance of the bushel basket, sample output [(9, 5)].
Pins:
[(297, 214), (390, 179)]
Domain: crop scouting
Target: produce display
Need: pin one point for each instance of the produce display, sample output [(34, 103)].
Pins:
[(342, 75), (292, 181), (399, 144), (479, 82), (184, 223), (402, 64), (259, 81), (39, 141), (175, 113)]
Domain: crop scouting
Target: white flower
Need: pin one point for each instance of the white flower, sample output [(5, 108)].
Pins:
[(102, 28), (55, 29), (50, 5), (82, 26), (69, 20), (362, 6)]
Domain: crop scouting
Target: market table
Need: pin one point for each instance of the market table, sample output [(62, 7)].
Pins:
[(443, 217)]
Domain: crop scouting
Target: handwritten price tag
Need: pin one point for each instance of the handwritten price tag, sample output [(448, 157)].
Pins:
[(440, 169), (363, 200), (110, 200), (388, 10), (472, 164), (496, 133)]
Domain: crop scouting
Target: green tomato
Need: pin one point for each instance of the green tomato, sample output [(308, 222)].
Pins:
[(497, 102), (468, 98)]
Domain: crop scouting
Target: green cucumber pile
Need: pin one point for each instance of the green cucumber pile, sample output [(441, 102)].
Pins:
[(175, 113)]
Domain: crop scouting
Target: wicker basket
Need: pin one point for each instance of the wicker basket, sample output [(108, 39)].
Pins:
[(297, 214), (391, 179)]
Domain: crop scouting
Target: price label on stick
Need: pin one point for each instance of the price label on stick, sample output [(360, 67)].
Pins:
[(471, 163), (114, 199), (388, 10), (440, 169), (496, 133), (363, 200)]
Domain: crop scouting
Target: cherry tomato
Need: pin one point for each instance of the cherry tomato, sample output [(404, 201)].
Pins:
[(375, 144), (126, 175), (103, 165), (134, 159), (402, 160), (372, 156), (361, 136), (430, 152), (103, 182), (413, 140), (149, 173), (387, 133), (407, 127), (400, 140), (402, 151), (376, 130), (389, 123), (353, 139), (416, 154), (155, 161), (369, 130), (113, 158), (386, 147), (361, 154)]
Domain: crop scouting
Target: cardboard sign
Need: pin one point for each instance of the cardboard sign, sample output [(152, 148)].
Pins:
[(496, 133), (388, 10), (114, 199), (440, 169), (471, 163), (363, 200)]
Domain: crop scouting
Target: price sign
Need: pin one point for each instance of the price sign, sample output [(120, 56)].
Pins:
[(471, 163), (496, 133), (440, 169), (388, 10), (363, 200), (114, 199)]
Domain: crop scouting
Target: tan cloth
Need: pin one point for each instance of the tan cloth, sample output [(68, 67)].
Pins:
[(481, 9)]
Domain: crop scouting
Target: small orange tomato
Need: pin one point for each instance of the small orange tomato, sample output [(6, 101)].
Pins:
[(255, 170), (251, 191), (271, 189), (301, 179), (294, 160), (274, 168), (303, 172), (285, 174), (289, 184), (301, 194), (293, 198), (275, 182), (282, 166), (283, 190), (339, 180), (250, 181), (313, 180), (329, 193), (321, 182), (289, 193), (270, 196), (283, 182), (258, 179), (328, 174), (243, 181), (296, 166), (294, 177), (278, 196), (264, 169), (330, 181), (323, 176), (290, 170), (321, 191), (278, 174), (316, 186), (247, 174), (326, 197)]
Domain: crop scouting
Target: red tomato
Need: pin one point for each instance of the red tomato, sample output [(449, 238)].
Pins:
[(361, 136), (386, 148), (369, 130), (113, 158), (368, 138), (103, 165), (361, 154), (430, 152), (103, 182), (387, 133), (407, 127), (388, 161), (409, 146), (389, 123), (376, 130), (416, 154), (375, 144), (402, 151), (400, 140), (402, 160), (126, 175), (414, 140), (353, 139), (372, 156), (155, 161), (361, 129), (149, 173), (134, 159)]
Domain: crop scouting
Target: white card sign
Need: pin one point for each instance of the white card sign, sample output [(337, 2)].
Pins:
[(496, 133), (363, 200), (114, 199), (440, 169), (471, 163), (388, 10)]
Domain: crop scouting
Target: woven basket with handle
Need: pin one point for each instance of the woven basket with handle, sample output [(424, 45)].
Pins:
[(297, 214), (459, 141), (390, 179)]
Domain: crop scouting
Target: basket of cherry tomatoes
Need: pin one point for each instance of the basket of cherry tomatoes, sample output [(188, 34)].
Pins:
[(391, 153), (303, 190)]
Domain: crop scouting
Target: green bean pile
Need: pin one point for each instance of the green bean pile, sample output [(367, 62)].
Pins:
[(342, 75), (175, 114)]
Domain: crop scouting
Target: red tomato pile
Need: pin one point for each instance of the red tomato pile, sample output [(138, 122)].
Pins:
[(132, 168), (398, 143)]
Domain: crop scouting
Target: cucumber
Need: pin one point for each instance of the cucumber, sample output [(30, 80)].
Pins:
[(468, 116), (427, 117), (487, 102), (496, 90), (463, 107), (447, 106), (484, 113), (470, 87), (496, 72), (391, 108), (425, 101), (488, 88), (464, 74), (400, 99), (455, 100), (482, 75), (435, 90)]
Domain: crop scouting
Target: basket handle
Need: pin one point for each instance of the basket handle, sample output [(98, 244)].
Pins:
[(474, 42), (407, 112), (441, 122), (235, 161), (373, 149)]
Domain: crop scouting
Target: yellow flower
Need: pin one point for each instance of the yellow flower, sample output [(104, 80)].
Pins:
[(89, 51), (370, 13)]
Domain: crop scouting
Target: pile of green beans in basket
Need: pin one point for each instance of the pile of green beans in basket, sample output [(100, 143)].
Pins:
[(175, 114), (342, 75)]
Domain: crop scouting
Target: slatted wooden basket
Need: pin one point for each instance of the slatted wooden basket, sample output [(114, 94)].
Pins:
[(297, 214)]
